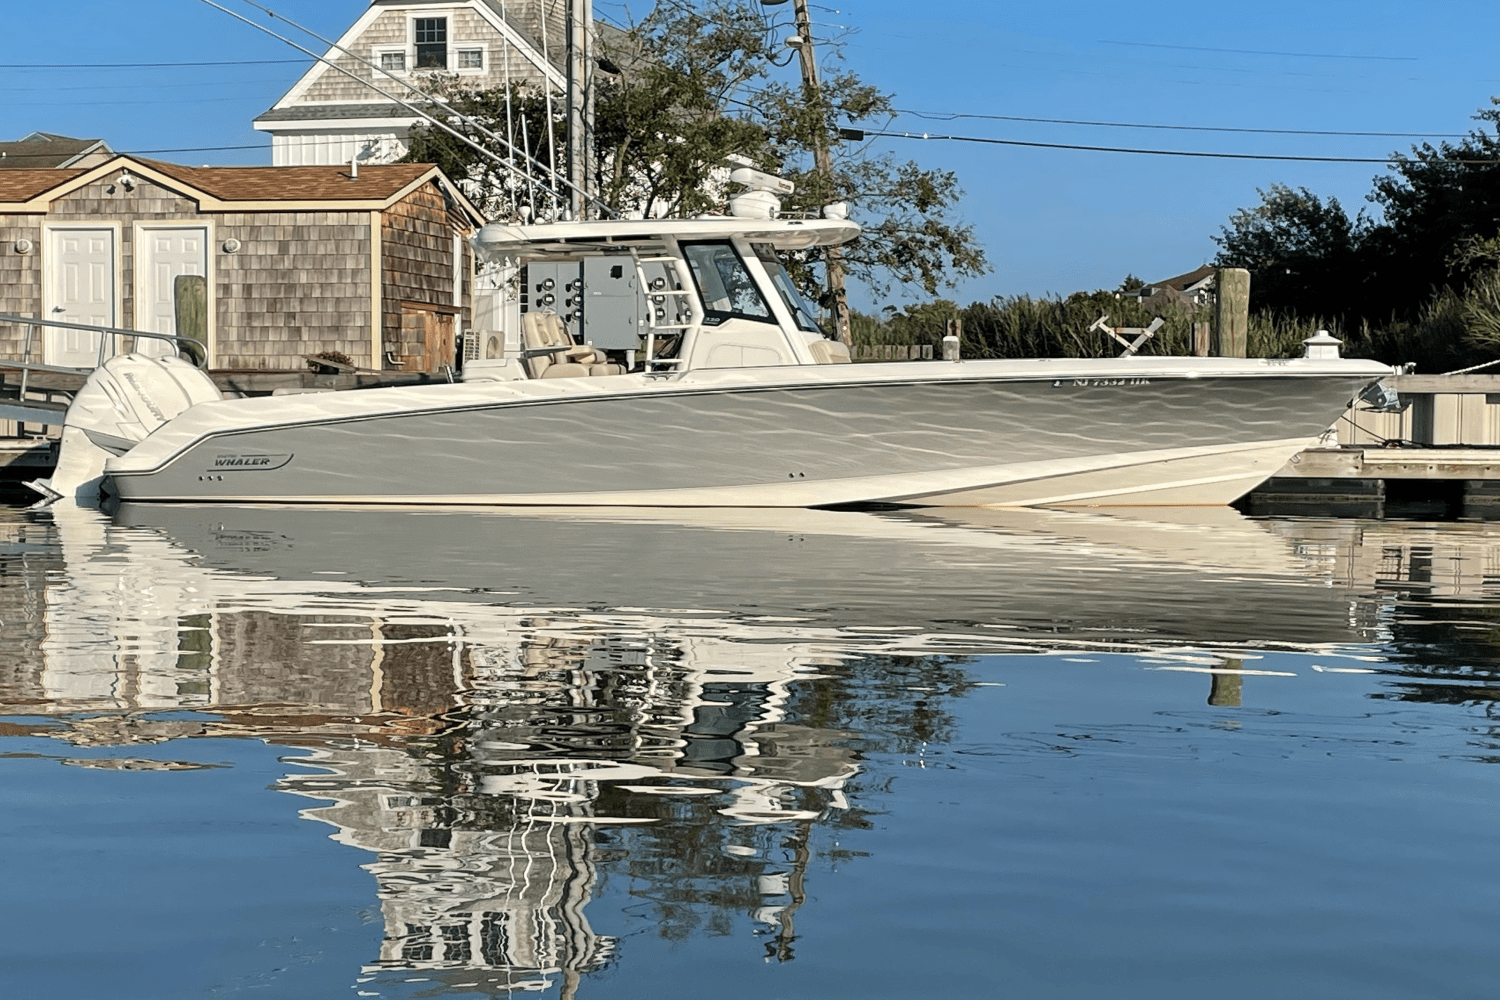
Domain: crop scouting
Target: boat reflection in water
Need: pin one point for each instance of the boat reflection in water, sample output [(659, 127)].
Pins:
[(495, 704)]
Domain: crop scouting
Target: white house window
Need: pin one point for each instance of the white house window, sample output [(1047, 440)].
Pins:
[(393, 61), (431, 41), (471, 59)]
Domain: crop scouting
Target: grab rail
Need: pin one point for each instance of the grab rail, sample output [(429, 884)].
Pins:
[(195, 349)]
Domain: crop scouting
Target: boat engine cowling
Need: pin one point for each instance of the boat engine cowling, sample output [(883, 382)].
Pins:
[(124, 399)]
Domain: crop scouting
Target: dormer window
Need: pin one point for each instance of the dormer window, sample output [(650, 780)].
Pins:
[(431, 37)]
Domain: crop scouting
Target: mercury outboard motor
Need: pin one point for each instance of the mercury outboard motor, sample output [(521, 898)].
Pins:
[(124, 399)]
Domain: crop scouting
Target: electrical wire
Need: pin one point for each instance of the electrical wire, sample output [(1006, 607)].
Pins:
[(186, 149), (159, 65), (954, 115), (1257, 52), (1153, 152)]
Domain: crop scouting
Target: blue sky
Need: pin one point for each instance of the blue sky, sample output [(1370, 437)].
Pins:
[(1052, 221)]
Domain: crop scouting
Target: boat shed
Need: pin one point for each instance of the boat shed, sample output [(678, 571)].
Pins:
[(372, 262)]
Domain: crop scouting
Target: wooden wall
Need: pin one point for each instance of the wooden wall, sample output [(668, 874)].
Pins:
[(416, 245), (391, 29), (299, 285), (20, 278)]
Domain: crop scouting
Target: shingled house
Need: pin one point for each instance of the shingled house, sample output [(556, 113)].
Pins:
[(373, 264), (334, 113), (43, 150)]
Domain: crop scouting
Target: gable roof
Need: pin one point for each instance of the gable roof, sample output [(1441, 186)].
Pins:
[(1182, 282), (227, 189), (44, 150), (505, 23), (24, 184), (316, 183)]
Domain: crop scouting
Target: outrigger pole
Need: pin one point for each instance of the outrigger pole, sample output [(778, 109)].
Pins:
[(551, 174)]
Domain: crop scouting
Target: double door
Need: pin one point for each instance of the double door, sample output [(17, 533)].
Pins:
[(82, 286)]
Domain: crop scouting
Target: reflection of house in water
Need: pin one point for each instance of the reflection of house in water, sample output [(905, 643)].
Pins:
[(466, 744), (29, 556), (501, 714), (499, 898)]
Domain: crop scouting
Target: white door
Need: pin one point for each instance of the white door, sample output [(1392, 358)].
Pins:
[(80, 289), (164, 255)]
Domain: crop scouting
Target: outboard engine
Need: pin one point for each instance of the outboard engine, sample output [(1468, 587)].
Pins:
[(125, 399)]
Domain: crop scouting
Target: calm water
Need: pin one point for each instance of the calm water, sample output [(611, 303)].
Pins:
[(759, 754)]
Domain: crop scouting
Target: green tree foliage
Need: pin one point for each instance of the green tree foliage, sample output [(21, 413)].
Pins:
[(1421, 283), (1304, 254), (698, 80), (1434, 201)]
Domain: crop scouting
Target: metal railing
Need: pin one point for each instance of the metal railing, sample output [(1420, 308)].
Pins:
[(193, 347)]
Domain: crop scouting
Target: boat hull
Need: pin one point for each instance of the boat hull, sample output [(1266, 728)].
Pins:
[(1171, 434)]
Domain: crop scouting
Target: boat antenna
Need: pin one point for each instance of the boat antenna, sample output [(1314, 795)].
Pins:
[(547, 93), (510, 125), (465, 119)]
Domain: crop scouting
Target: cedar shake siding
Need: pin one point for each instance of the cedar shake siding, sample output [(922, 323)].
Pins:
[(20, 278), (299, 285), (289, 254), (417, 256), (346, 107)]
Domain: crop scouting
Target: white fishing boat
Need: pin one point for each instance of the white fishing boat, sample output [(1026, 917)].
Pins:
[(732, 396)]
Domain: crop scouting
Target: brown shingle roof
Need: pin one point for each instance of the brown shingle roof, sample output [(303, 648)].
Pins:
[(43, 149), (326, 183), (1182, 281), (23, 185)]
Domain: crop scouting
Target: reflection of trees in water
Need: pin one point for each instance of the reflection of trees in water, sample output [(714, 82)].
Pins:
[(702, 862)]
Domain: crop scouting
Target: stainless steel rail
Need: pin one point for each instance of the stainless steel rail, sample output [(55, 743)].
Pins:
[(194, 348)]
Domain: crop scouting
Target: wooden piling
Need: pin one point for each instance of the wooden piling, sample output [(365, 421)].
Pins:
[(1201, 339), (1232, 311)]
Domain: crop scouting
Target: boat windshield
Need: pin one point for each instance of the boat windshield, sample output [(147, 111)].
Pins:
[(726, 286), (802, 310)]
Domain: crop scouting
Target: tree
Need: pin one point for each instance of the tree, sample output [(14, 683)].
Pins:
[(701, 79), (1435, 201), (1304, 255)]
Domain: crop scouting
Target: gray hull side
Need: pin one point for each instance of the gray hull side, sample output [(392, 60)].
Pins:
[(1049, 571), (798, 437)]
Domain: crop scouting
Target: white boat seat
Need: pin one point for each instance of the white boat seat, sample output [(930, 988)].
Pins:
[(543, 330), (829, 352)]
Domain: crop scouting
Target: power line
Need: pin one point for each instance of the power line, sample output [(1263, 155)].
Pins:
[(186, 149), (1152, 152), (1257, 52), (12, 157), (197, 85), (954, 115), (150, 100), (156, 65)]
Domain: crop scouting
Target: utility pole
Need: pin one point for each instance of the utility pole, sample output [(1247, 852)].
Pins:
[(580, 103), (813, 92)]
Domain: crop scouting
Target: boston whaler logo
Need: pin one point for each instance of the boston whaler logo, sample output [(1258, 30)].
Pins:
[(249, 463)]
